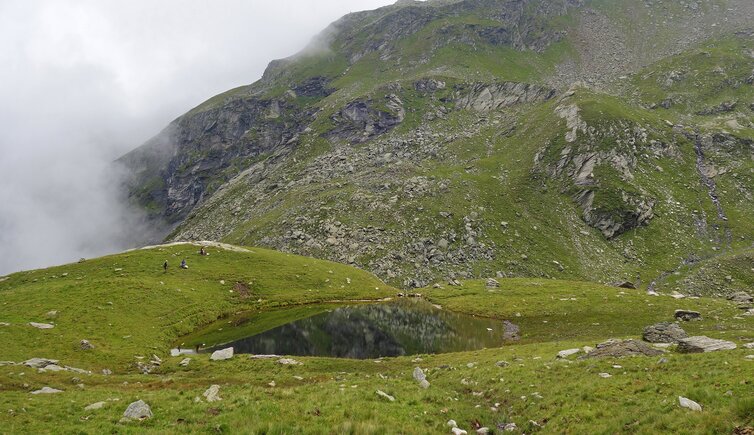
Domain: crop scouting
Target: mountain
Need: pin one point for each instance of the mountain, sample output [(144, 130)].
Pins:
[(596, 140)]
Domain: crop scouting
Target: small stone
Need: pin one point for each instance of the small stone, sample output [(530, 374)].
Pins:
[(385, 395), (502, 363), (687, 315), (94, 406), (289, 362), (212, 393), (138, 410), (605, 375), (483, 430), (492, 283), (452, 423), (568, 352), (47, 390), (510, 427), (457, 431), (85, 345), (688, 403), (107, 372), (419, 374), (221, 355), (184, 362), (749, 345), (41, 325)]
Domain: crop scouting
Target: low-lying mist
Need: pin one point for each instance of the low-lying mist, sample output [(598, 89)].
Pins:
[(82, 82)]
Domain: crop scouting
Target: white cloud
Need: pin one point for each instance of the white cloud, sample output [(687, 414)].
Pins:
[(83, 81)]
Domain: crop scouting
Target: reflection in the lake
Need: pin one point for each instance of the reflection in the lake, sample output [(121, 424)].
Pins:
[(377, 330)]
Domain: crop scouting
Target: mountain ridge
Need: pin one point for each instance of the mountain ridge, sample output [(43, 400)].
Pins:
[(433, 100)]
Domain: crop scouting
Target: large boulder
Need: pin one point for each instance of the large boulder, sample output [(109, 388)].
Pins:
[(687, 315), (620, 348), (223, 354), (741, 297), (138, 410), (701, 344), (665, 332)]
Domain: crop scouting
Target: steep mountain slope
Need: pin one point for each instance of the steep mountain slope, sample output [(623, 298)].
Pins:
[(599, 139)]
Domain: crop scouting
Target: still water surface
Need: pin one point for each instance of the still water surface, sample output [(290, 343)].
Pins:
[(404, 327)]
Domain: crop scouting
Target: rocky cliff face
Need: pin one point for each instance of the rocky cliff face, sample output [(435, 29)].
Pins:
[(448, 139)]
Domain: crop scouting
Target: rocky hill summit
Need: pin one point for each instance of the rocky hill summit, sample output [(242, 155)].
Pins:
[(439, 140)]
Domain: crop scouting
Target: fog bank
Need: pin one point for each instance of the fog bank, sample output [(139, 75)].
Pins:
[(84, 81)]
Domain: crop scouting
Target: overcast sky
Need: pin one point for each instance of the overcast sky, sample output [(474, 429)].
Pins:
[(83, 81)]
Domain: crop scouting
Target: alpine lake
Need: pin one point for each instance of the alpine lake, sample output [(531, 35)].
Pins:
[(359, 331)]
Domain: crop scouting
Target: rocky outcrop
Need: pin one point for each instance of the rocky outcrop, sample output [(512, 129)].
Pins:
[(429, 85), (487, 97), (622, 348), (189, 160), (664, 332), (724, 107), (362, 120), (632, 213), (700, 344), (741, 298)]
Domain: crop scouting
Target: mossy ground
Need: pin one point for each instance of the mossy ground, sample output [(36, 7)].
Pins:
[(536, 391)]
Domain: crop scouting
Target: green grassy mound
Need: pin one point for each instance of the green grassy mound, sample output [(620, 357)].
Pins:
[(128, 308)]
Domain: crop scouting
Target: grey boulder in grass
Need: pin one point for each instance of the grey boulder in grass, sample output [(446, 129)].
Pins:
[(700, 344), (138, 410)]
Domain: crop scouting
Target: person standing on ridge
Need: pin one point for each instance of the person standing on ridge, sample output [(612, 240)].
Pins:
[(165, 266)]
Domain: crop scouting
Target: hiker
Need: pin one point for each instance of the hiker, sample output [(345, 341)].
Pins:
[(183, 264), (165, 266), (202, 252)]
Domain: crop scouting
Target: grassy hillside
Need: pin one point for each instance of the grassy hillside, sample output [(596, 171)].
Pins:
[(534, 389), (126, 305)]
